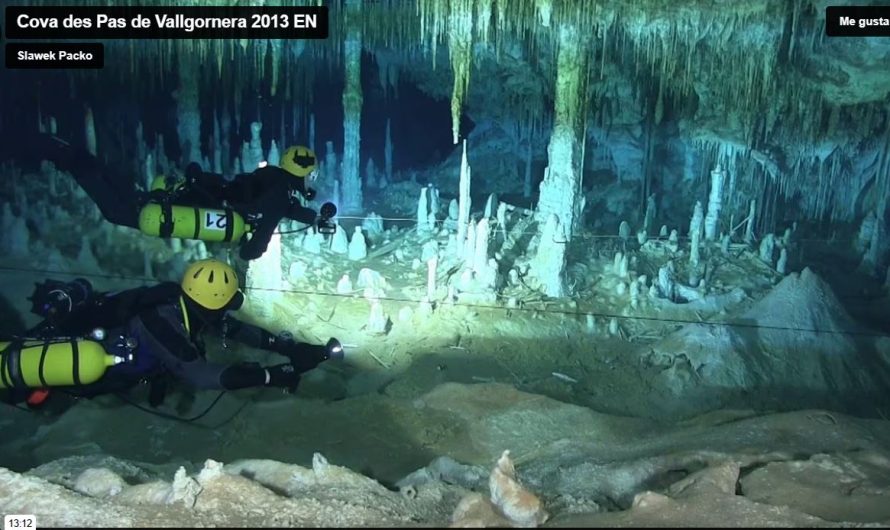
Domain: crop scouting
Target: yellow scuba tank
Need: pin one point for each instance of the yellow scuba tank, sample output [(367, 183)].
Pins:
[(48, 363), (160, 183), (190, 222)]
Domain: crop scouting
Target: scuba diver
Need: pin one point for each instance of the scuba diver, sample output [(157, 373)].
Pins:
[(201, 205), (92, 343)]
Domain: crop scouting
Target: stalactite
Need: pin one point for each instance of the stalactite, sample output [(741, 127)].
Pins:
[(460, 51), (352, 111), (90, 131), (275, 49), (387, 152), (559, 190)]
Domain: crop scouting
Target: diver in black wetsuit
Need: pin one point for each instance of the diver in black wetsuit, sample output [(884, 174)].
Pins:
[(264, 197), (160, 330)]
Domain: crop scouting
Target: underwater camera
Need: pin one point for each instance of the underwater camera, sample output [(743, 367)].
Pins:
[(324, 224)]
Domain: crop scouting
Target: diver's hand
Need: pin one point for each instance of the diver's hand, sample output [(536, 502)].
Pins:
[(303, 356), (283, 376)]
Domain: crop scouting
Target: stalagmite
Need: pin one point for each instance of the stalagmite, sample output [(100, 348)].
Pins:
[(749, 228), (624, 231), (464, 201), (502, 219), (549, 261), (358, 247), (351, 187), (423, 226), (695, 229), (188, 110), (724, 244), (490, 205), (373, 225), (470, 244), (435, 202), (715, 202), (663, 232), (378, 321), (431, 265), (480, 254), (767, 246), (872, 259), (274, 157), (387, 153), (339, 241), (344, 285), (650, 214), (666, 285), (90, 131), (561, 185), (782, 264), (673, 243), (635, 295), (620, 265)]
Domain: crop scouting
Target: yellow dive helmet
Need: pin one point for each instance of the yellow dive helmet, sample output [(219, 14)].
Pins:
[(299, 161), (211, 284)]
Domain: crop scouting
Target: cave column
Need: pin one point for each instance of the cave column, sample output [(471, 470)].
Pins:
[(560, 189), (188, 111), (351, 188)]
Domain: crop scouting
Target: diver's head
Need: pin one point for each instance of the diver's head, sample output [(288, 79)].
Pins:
[(211, 288), (301, 162)]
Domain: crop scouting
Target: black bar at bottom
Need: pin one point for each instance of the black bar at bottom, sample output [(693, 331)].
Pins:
[(55, 55)]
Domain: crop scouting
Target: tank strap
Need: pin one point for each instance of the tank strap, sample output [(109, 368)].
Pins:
[(4, 355), (75, 357), (197, 233), (230, 224), (12, 358), (42, 362), (166, 228)]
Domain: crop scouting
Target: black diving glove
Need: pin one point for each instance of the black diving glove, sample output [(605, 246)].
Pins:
[(283, 376), (305, 357)]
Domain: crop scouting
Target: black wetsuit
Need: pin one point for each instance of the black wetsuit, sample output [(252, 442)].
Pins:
[(163, 346), (263, 195)]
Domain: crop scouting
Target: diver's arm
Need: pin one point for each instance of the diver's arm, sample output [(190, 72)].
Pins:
[(185, 362), (259, 239), (302, 214), (250, 335)]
